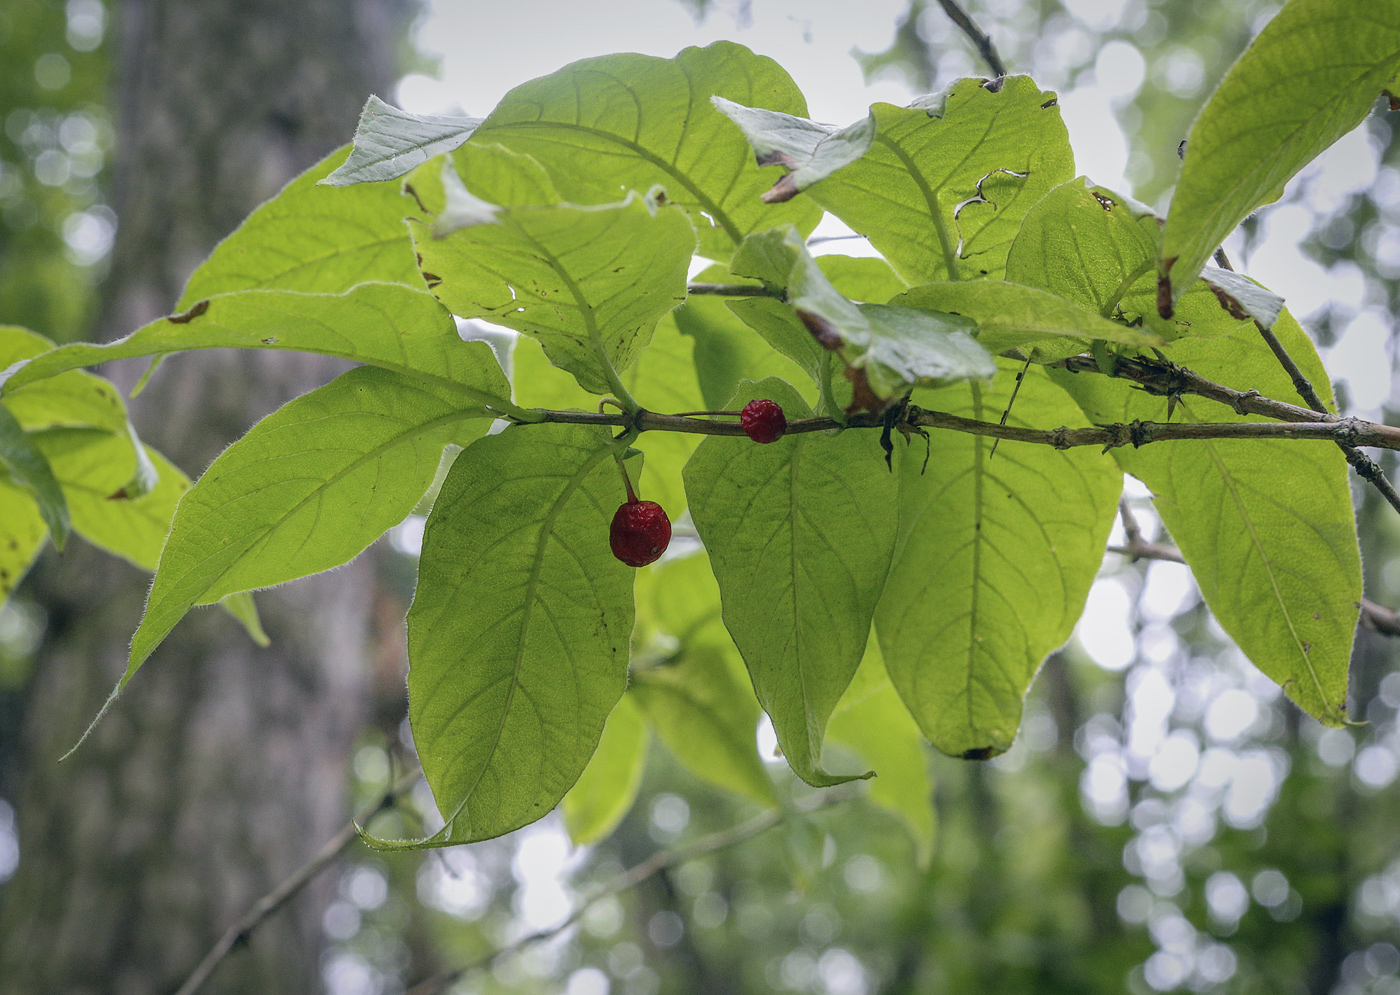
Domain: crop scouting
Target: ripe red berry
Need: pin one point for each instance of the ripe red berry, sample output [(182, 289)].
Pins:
[(640, 533), (763, 421)]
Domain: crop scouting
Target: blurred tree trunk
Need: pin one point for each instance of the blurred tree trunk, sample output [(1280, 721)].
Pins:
[(222, 767)]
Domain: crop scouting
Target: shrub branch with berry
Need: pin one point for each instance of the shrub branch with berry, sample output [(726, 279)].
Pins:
[(907, 513)]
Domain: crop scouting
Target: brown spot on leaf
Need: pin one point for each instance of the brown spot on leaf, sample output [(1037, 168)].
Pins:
[(1391, 99), (980, 753), (185, 317), (1228, 302)]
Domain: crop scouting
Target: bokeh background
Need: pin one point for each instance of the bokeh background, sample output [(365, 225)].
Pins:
[(1165, 822)]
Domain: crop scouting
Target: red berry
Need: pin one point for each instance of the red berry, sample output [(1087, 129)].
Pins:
[(763, 421), (640, 533)]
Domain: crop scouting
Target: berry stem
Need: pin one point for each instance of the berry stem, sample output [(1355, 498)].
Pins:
[(696, 414), (626, 481)]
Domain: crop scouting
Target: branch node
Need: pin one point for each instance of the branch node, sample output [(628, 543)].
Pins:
[(1139, 433), (1237, 402)]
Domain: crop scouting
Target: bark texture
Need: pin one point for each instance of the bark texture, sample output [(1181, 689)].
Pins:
[(222, 767)]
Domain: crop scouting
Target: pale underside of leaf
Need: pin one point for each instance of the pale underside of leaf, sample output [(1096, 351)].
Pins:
[(390, 143)]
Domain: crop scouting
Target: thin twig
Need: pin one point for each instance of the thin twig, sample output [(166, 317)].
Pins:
[(638, 873), (976, 35), (1365, 467), (1130, 525), (1020, 377), (287, 889), (733, 290), (1377, 618)]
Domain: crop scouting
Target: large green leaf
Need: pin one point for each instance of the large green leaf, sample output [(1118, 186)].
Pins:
[(91, 466), (387, 325), (22, 533), (309, 487), (630, 121), (589, 282), (872, 721), (518, 634), (390, 143), (608, 786), (1009, 316), (1266, 526), (700, 700), (312, 238), (997, 560), (800, 534), (1308, 79), (27, 468), (943, 189)]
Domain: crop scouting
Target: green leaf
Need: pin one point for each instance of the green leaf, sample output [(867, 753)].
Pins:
[(309, 487), (390, 143), (708, 718), (1308, 79), (518, 634), (1098, 249), (71, 400), (862, 278), (727, 351), (1011, 316), (387, 325), (1087, 244), (943, 189), (811, 151), (18, 343), (1266, 526), (312, 238), (700, 700), (800, 535), (608, 786), (28, 469), (630, 121), (896, 347), (997, 560), (22, 533), (242, 607), (90, 467), (589, 282), (872, 721)]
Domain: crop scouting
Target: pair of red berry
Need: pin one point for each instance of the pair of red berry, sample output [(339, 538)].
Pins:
[(641, 531)]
